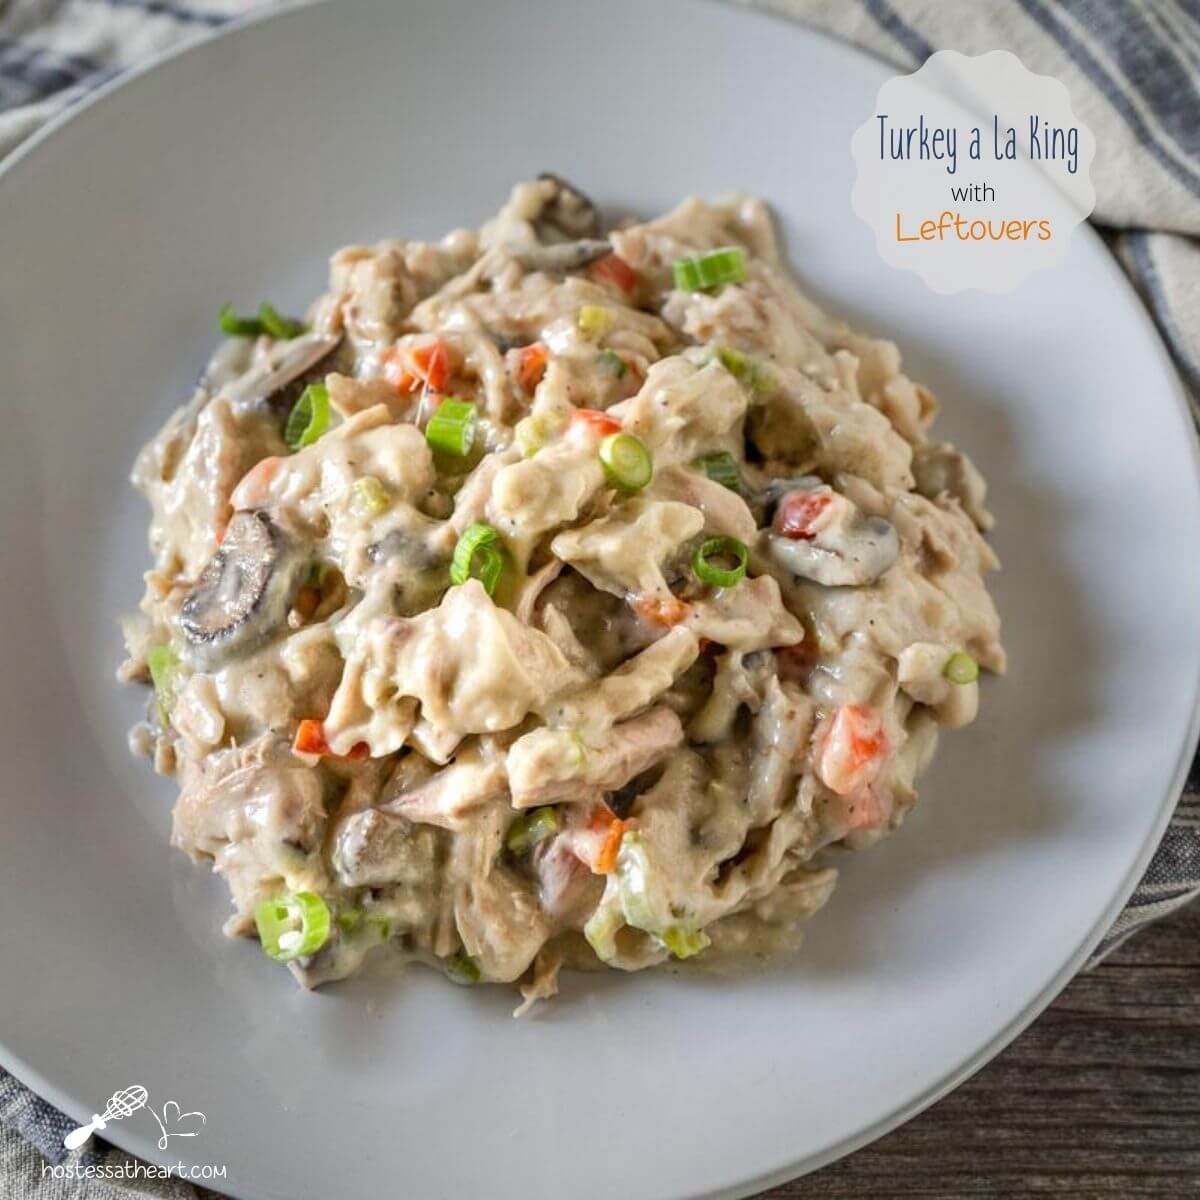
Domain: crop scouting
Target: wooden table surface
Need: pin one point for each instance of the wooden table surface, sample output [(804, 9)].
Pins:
[(1100, 1098)]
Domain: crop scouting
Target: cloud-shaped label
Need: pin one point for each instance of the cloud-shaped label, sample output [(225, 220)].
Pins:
[(973, 172)]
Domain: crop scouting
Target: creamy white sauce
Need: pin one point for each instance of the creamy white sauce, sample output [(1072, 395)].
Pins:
[(699, 745)]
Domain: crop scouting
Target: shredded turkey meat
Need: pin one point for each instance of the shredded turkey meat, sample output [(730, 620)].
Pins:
[(557, 595)]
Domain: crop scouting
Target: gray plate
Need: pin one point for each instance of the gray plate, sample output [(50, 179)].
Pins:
[(230, 172)]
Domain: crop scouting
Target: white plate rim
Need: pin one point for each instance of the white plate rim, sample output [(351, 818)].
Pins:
[(77, 1110)]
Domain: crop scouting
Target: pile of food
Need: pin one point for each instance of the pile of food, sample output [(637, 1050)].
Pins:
[(552, 595)]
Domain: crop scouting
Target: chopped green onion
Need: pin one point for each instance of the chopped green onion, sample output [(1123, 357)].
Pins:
[(368, 497), (235, 326), (487, 566), (737, 364), (292, 926), (165, 671), (706, 568), (579, 750), (280, 327), (751, 373), (721, 467), (529, 436), (611, 363), (961, 668), (683, 943), (355, 923), (380, 926), (636, 876), (604, 924), (727, 265), (594, 320), (309, 417), (634, 896), (316, 574), (530, 828), (452, 428), (462, 968), (626, 461), (351, 921), (478, 556)]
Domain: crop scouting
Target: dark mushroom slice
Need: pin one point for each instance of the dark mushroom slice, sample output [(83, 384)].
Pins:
[(624, 798), (229, 362), (561, 257), (277, 382), (567, 212), (845, 548), (766, 501), (403, 559), (374, 847), (244, 592), (407, 547)]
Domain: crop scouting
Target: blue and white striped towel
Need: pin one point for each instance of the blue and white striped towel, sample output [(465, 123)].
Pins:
[(1133, 70)]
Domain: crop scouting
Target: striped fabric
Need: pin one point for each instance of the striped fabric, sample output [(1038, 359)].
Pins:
[(1133, 70)]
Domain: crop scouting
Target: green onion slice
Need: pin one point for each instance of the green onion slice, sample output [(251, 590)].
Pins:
[(705, 562), (529, 436), (593, 320), (627, 463), (235, 326), (683, 943), (368, 497), (961, 668), (309, 417), (357, 923), (611, 363), (280, 327), (350, 920), (530, 828), (462, 968), (737, 364), (721, 467), (452, 428), (478, 556), (727, 265), (165, 671), (292, 926), (487, 566), (316, 574), (749, 372), (579, 750)]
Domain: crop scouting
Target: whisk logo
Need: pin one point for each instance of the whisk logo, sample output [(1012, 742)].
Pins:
[(171, 1122)]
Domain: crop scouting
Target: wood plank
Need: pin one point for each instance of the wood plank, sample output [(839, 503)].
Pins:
[(1098, 1099)]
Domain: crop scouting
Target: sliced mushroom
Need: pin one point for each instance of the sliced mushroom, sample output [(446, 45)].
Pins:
[(290, 364), (624, 798), (941, 469), (843, 548), (767, 500), (405, 547), (245, 590), (447, 797), (561, 235), (374, 847), (229, 362), (560, 257), (567, 212)]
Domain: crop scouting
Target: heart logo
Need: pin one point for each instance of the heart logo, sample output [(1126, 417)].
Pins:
[(179, 1124)]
